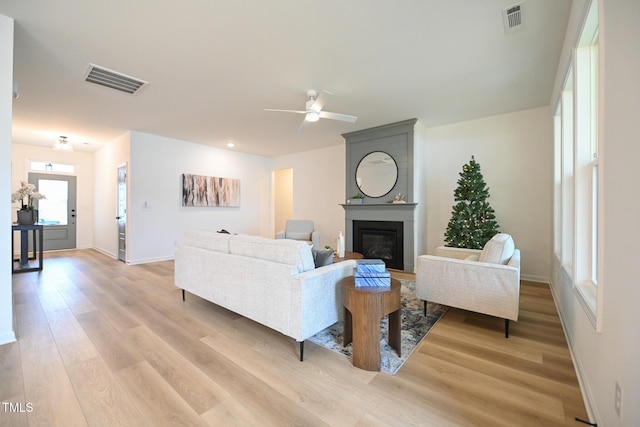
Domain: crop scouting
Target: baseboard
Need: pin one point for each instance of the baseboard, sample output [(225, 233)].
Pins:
[(150, 260), (539, 279), (104, 252), (587, 396), (135, 261), (7, 337)]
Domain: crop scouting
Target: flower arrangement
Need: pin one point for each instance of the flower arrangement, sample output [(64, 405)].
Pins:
[(26, 194)]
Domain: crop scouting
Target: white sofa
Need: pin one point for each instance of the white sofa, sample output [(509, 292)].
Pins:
[(273, 282), (484, 281)]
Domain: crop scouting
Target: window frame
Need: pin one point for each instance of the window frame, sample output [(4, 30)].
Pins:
[(578, 186)]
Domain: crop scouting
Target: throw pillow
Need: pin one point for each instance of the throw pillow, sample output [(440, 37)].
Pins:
[(498, 250), (322, 257)]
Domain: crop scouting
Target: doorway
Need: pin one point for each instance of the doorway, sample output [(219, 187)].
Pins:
[(56, 212), (121, 215), (282, 198)]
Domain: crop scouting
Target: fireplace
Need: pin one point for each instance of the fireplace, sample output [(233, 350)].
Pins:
[(382, 215), (380, 240)]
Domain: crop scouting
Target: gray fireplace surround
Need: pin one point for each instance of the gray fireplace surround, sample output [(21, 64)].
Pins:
[(396, 140), (400, 212)]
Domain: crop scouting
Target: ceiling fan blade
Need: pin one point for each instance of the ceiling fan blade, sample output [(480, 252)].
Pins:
[(285, 111), (337, 116), (303, 125), (319, 102)]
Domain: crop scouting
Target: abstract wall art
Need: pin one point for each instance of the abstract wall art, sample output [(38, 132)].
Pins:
[(200, 190)]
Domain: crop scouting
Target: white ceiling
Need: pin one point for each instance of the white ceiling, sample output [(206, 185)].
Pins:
[(214, 65)]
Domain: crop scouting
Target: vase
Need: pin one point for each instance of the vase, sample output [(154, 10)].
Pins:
[(340, 245), (27, 217)]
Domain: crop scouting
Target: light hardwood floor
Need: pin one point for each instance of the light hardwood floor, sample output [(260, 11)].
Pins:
[(103, 343)]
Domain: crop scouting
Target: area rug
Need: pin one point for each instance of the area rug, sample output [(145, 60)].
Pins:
[(415, 326)]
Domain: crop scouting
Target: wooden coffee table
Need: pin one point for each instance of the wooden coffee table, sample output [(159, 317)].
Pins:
[(363, 309)]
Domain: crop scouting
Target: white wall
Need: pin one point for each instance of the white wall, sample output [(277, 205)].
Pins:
[(22, 154), (604, 358), (106, 163), (157, 165), (7, 333), (515, 153), (318, 188), (420, 188)]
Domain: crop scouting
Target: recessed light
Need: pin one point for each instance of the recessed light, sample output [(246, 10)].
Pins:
[(230, 144)]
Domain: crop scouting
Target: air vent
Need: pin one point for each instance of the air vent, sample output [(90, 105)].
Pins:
[(113, 79), (512, 17)]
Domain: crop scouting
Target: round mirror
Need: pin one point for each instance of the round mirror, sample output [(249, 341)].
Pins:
[(376, 174)]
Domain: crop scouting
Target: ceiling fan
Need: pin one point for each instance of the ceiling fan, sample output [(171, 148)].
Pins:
[(313, 111)]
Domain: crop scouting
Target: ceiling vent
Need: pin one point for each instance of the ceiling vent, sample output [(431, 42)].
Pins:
[(512, 17), (113, 79)]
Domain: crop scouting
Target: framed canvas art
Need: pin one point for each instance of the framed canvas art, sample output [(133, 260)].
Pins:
[(200, 190)]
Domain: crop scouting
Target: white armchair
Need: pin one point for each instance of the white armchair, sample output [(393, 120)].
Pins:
[(300, 229), (484, 281)]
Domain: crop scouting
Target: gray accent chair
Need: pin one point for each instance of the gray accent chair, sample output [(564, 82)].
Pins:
[(300, 229), (485, 281)]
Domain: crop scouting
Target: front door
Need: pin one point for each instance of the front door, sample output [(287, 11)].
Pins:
[(57, 212)]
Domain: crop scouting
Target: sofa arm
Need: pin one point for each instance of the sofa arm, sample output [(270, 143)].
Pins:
[(492, 289), (515, 259), (315, 240), (316, 298)]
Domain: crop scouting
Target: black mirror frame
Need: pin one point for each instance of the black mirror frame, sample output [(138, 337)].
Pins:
[(394, 182)]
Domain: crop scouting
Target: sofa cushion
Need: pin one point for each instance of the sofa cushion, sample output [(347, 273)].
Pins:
[(498, 250), (322, 257), (206, 239), (290, 252)]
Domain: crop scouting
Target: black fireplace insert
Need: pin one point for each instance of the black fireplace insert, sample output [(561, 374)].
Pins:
[(380, 240)]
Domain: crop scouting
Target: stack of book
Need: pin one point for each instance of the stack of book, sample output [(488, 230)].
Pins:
[(371, 272)]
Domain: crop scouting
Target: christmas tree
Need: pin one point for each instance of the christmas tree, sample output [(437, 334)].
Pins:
[(472, 222)]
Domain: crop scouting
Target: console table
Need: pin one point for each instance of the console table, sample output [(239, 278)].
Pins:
[(363, 309), (23, 262)]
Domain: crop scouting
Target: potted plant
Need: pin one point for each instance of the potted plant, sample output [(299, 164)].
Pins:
[(26, 194), (356, 200)]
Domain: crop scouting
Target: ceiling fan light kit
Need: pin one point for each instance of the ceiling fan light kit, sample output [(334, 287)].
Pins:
[(312, 116), (313, 110), (62, 145)]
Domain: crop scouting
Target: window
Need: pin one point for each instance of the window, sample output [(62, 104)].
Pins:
[(566, 167), (576, 195), (52, 167), (53, 210)]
